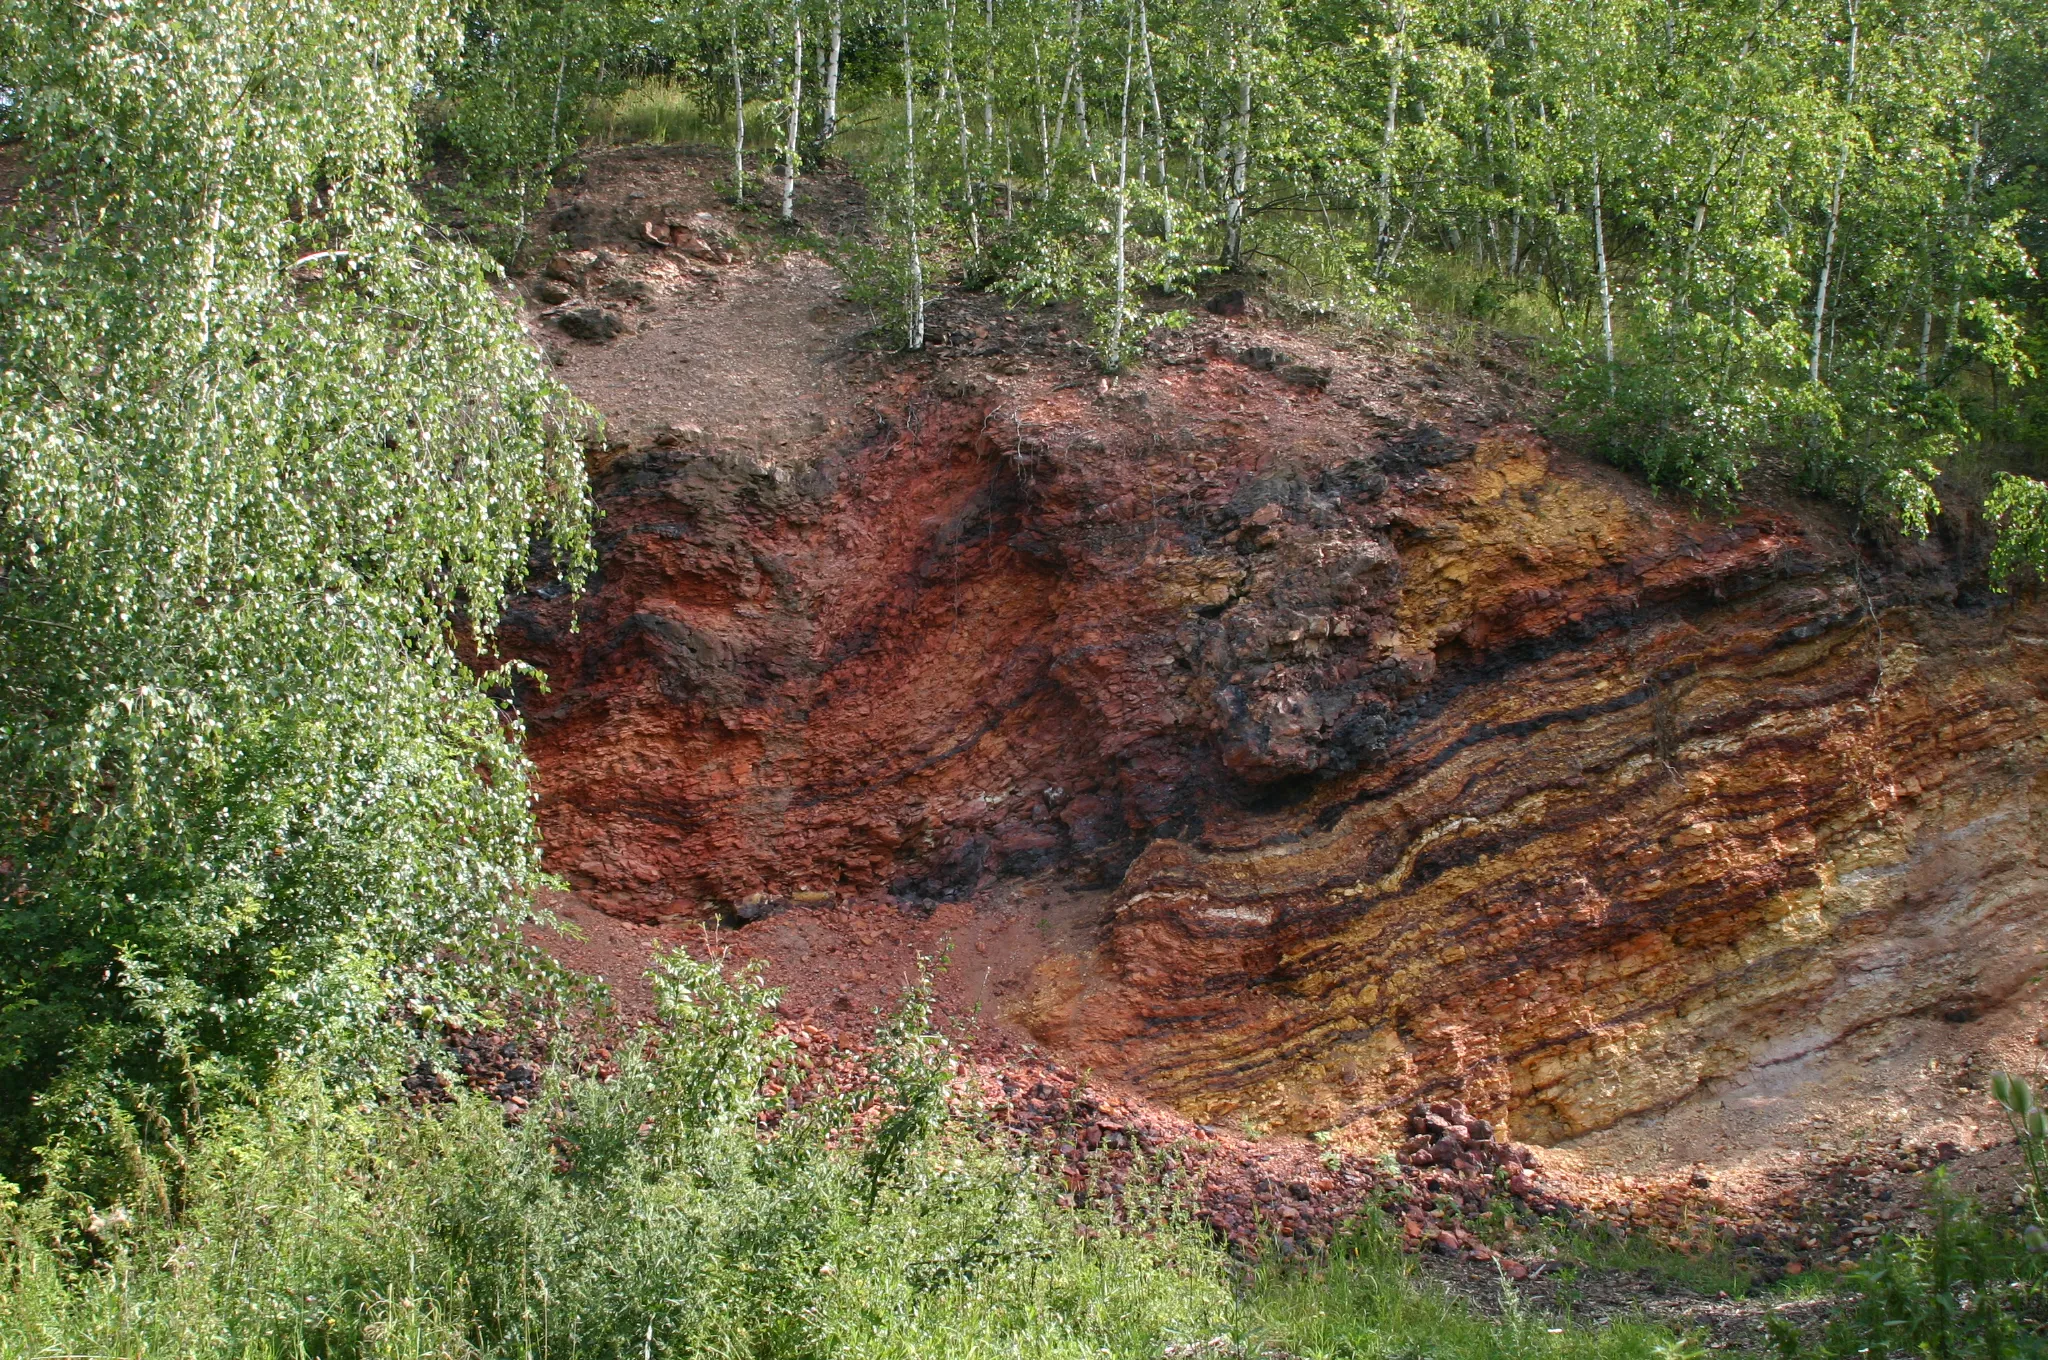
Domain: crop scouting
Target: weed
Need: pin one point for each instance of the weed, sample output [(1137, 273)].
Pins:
[(1361, 1301), (655, 1214), (1971, 1287)]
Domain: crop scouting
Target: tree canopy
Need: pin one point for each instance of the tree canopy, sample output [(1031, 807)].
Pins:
[(270, 448), (1802, 230)]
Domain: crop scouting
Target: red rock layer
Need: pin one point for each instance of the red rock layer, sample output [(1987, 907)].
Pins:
[(1414, 755)]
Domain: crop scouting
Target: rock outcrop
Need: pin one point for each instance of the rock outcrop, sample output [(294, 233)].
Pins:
[(1410, 756)]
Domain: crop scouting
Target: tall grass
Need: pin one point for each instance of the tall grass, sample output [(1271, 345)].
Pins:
[(1972, 1286), (658, 111), (1361, 1303), (648, 1215)]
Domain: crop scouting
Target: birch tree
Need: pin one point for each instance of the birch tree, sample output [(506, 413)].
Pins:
[(794, 116), (268, 444)]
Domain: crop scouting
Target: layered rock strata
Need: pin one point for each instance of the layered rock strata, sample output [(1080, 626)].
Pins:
[(1409, 754)]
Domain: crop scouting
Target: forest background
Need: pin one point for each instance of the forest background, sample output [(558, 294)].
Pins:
[(1794, 233)]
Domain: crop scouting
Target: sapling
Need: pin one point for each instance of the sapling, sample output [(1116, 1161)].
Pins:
[(914, 1066), (796, 105), (739, 114), (916, 298)]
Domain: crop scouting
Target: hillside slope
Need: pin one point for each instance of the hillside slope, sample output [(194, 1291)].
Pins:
[(1282, 731)]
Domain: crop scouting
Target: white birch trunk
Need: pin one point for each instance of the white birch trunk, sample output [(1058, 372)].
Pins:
[(1038, 101), (796, 106), (739, 118), (1123, 211), (1158, 119), (1385, 194), (1955, 312), (916, 299), (1600, 256), (988, 88), (1240, 167), (828, 122), (952, 75), (1827, 255)]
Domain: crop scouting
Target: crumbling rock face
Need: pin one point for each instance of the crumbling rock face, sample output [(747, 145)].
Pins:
[(1412, 755)]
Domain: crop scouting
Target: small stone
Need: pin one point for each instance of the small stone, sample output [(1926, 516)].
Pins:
[(594, 324), (629, 290), (1230, 302), (552, 292), (759, 906)]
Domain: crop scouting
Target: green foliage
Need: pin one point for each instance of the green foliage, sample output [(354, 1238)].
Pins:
[(1971, 1287), (1968, 1288), (618, 1222), (1693, 405), (615, 1220), (1361, 1304), (1064, 250), (2019, 505), (915, 1068), (268, 449), (512, 106), (1767, 255), (1876, 439)]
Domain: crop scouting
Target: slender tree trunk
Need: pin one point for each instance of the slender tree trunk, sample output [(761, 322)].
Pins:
[(1401, 237), (1240, 168), (555, 114), (1968, 217), (988, 89), (1158, 117), (1385, 194), (916, 299), (1515, 217), (1081, 121), (1123, 209), (796, 106), (1038, 102), (1926, 334), (1600, 256), (828, 125), (1827, 255), (739, 117), (1059, 126), (952, 76), (1489, 241)]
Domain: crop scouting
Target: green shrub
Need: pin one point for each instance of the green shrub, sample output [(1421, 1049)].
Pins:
[(681, 1208), (640, 1216), (1972, 1288), (2019, 506), (269, 450), (1362, 1303)]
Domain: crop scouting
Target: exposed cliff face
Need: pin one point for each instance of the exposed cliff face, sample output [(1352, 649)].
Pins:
[(1743, 818), (1406, 752)]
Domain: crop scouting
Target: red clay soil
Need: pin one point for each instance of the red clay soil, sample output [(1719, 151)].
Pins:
[(1269, 740)]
